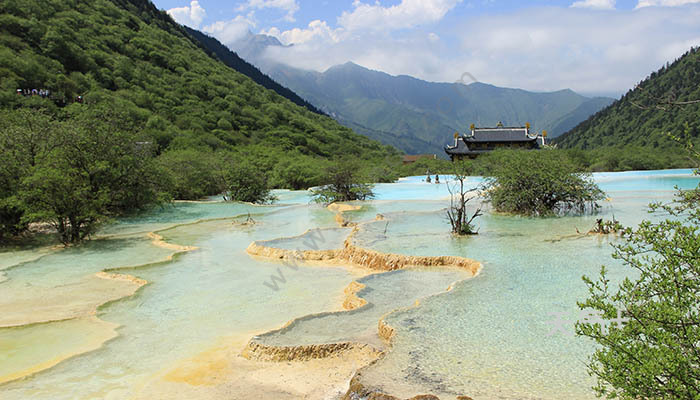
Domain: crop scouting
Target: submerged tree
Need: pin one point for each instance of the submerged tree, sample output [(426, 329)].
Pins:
[(539, 183), (655, 354), (345, 183), (460, 219), (246, 183), (98, 167)]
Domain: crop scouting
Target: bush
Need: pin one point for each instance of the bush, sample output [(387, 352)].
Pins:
[(539, 183), (345, 183), (191, 174), (654, 353), (246, 183)]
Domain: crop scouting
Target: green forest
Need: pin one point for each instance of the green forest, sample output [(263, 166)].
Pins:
[(646, 125), (138, 113)]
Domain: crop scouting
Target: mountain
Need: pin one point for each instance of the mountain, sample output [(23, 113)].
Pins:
[(645, 114), (134, 58), (232, 59), (252, 46), (414, 115)]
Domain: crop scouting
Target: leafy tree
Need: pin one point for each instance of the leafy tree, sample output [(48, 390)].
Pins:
[(246, 183), (298, 173), (654, 354), (25, 136), (98, 167), (191, 174), (345, 183), (539, 183)]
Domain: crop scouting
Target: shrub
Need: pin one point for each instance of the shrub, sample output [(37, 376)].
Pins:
[(345, 183), (246, 183), (654, 353), (539, 183)]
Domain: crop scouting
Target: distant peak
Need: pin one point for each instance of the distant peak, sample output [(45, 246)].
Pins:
[(346, 66)]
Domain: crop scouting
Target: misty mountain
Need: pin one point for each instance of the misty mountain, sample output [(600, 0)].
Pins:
[(415, 115), (663, 103)]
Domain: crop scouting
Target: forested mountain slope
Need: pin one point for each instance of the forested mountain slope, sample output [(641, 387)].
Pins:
[(109, 106), (662, 104), (416, 111), (136, 58), (232, 59)]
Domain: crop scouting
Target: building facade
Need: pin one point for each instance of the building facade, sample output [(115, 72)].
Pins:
[(483, 140)]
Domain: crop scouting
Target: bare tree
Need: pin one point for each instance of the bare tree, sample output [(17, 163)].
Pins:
[(460, 195)]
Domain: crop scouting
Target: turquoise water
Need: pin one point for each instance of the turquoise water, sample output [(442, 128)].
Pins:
[(487, 338)]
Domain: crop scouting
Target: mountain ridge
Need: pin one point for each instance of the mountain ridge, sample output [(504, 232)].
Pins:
[(647, 113), (420, 115)]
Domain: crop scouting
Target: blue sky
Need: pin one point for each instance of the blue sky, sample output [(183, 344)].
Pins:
[(591, 46)]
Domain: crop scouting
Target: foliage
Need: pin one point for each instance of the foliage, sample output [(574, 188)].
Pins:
[(461, 222), (538, 183), (161, 117), (192, 174), (75, 173), (654, 355), (346, 183), (639, 119), (232, 59), (246, 183)]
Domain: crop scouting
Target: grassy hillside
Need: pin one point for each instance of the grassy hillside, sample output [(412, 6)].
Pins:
[(645, 116)]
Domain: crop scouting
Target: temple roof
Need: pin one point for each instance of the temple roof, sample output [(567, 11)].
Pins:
[(480, 135), (473, 142)]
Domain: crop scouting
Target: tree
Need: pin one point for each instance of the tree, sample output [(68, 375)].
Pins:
[(539, 183), (457, 213), (346, 182), (245, 183), (25, 136), (655, 353), (100, 168)]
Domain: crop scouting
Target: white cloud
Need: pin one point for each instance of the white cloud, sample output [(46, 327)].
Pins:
[(316, 30), (579, 49), (191, 16), (557, 48), (406, 14), (290, 6), (665, 3), (232, 30), (595, 4)]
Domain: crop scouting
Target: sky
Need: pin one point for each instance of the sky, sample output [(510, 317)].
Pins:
[(594, 47)]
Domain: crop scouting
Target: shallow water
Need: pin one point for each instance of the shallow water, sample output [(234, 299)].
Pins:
[(488, 337)]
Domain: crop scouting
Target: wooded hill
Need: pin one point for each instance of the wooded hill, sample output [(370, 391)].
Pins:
[(136, 112), (135, 57), (661, 105)]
